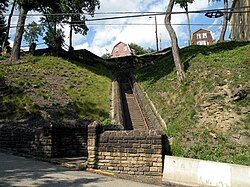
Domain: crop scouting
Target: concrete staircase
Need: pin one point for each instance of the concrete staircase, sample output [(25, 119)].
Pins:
[(133, 115)]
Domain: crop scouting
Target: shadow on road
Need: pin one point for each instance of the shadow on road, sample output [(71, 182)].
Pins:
[(18, 171)]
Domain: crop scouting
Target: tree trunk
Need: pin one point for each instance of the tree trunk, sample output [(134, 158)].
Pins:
[(174, 42), (15, 55), (189, 28), (70, 36), (224, 26), (32, 48), (8, 25)]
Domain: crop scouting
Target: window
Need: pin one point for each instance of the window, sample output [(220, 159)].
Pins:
[(198, 36), (204, 35), (125, 48), (116, 49), (202, 42)]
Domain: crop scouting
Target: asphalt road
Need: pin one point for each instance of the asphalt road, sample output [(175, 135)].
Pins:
[(19, 171)]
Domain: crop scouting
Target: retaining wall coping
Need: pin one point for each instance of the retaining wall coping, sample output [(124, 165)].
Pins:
[(133, 133), (196, 172)]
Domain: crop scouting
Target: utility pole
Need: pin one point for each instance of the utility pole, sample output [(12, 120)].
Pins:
[(156, 33)]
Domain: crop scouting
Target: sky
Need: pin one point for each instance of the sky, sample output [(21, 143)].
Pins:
[(102, 36)]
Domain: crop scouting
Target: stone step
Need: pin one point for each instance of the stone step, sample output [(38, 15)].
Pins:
[(6, 114), (134, 110)]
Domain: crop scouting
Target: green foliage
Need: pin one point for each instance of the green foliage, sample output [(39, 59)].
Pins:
[(207, 67), (77, 7), (138, 50), (34, 4), (106, 56), (3, 27), (54, 39), (32, 32), (183, 3), (107, 121)]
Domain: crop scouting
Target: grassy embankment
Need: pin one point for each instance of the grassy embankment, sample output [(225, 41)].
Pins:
[(55, 89), (204, 121)]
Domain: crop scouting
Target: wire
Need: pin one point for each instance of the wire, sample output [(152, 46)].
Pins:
[(149, 24), (36, 45), (141, 15), (135, 12), (133, 16)]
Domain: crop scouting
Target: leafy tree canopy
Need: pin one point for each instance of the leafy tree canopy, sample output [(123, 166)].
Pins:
[(3, 28), (138, 50), (32, 32), (106, 56), (183, 3), (53, 40)]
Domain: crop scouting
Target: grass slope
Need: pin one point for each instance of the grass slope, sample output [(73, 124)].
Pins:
[(203, 120), (55, 89)]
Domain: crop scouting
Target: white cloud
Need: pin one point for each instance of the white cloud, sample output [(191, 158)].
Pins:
[(144, 35), (103, 37)]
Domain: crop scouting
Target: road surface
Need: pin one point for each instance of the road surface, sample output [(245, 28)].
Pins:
[(19, 171)]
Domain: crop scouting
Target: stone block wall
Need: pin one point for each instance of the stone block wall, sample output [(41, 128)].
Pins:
[(127, 152), (117, 115), (31, 141), (45, 141)]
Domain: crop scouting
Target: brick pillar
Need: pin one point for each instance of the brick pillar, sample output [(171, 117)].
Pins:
[(93, 139)]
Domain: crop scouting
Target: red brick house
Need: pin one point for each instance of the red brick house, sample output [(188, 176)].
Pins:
[(121, 49), (202, 37)]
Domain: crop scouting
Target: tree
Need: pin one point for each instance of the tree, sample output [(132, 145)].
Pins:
[(54, 40), (174, 42), (138, 50), (106, 56), (184, 4), (150, 50), (74, 9), (48, 6), (24, 7), (5, 42), (31, 34), (2, 23), (2, 30), (225, 20)]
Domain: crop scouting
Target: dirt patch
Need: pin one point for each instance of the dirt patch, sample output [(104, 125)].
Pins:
[(218, 114)]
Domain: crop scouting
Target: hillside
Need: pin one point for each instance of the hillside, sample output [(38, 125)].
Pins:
[(208, 115), (54, 90)]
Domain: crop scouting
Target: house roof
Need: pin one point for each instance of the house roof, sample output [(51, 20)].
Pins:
[(200, 30), (121, 43)]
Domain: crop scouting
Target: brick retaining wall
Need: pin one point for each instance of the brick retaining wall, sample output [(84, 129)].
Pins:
[(127, 152), (45, 141), (31, 141), (131, 152)]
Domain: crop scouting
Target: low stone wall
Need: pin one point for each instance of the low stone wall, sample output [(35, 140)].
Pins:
[(45, 141), (31, 141), (127, 152)]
